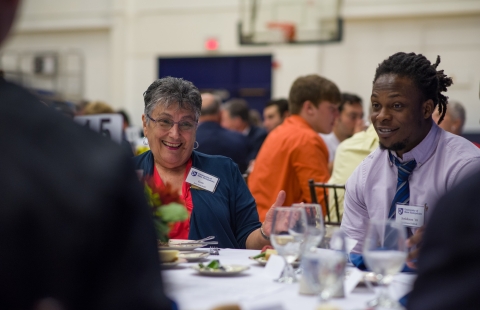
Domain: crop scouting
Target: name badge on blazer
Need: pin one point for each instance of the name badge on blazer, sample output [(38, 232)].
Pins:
[(411, 216), (202, 180)]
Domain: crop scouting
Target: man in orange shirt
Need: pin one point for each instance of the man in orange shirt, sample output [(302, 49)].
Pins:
[(293, 152)]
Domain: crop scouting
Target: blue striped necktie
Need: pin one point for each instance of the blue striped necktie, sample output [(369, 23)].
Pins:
[(402, 194)]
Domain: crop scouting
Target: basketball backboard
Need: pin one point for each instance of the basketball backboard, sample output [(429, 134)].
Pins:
[(266, 22)]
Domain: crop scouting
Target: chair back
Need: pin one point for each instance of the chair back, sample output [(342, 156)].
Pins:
[(334, 187)]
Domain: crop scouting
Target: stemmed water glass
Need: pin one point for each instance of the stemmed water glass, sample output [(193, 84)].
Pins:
[(324, 269), (315, 227), (384, 252), (287, 236)]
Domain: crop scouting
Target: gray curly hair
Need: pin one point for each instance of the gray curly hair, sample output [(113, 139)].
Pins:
[(170, 91)]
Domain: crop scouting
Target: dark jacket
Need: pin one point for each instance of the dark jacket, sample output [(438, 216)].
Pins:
[(229, 214), (449, 260), (74, 223), (255, 138), (213, 139)]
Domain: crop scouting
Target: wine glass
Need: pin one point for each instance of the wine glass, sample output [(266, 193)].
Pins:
[(315, 227), (287, 236), (384, 252), (324, 269)]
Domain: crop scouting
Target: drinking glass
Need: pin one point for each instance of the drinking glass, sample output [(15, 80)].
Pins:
[(384, 252), (315, 227), (287, 236), (324, 269)]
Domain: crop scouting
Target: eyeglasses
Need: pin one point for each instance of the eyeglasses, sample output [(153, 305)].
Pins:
[(167, 124)]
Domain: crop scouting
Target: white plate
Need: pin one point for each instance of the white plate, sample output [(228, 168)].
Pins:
[(262, 261), (177, 244), (193, 256), (181, 247), (173, 264), (230, 270)]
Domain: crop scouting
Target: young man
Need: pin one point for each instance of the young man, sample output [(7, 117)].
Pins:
[(348, 122), (417, 162), (294, 152), (274, 113)]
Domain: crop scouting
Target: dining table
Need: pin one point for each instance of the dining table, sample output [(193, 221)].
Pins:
[(255, 289)]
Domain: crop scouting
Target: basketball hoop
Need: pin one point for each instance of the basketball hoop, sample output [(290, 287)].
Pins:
[(286, 30)]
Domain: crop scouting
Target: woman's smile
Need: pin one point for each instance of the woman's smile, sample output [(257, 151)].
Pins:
[(172, 146)]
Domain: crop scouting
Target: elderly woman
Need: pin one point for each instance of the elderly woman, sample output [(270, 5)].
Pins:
[(214, 191)]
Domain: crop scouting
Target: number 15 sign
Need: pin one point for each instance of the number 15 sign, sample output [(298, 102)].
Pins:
[(108, 125)]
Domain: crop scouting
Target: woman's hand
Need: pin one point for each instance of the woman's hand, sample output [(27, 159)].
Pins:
[(267, 225), (256, 240)]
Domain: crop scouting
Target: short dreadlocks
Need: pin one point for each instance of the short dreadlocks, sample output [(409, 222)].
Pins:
[(424, 75)]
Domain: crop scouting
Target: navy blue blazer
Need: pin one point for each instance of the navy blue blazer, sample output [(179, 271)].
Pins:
[(213, 139), (255, 138), (229, 214)]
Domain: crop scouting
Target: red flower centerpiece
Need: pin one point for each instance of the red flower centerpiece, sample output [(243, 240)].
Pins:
[(167, 207)]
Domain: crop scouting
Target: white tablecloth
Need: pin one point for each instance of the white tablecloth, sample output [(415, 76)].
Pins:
[(253, 289)]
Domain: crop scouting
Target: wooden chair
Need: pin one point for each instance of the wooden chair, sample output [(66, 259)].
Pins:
[(325, 187)]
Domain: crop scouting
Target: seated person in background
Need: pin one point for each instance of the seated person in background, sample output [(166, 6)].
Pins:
[(350, 153), (348, 122), (99, 107), (235, 116), (213, 139), (274, 113), (75, 230), (417, 162), (448, 264), (227, 210), (454, 119), (254, 118), (293, 153)]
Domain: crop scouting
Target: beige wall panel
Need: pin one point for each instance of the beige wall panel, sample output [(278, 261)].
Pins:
[(94, 45)]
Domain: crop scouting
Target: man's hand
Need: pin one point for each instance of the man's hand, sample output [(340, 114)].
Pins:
[(414, 240), (267, 225)]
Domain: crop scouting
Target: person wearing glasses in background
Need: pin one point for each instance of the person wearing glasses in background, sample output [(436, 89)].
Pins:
[(212, 187)]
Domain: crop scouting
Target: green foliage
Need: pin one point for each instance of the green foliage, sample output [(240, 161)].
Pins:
[(173, 212), (153, 199)]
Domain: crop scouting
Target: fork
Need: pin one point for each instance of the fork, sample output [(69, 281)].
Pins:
[(214, 250)]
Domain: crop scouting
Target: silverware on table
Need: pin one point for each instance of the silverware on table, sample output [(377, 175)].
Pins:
[(214, 250)]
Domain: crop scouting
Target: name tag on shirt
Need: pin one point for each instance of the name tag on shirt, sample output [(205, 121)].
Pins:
[(202, 180), (411, 216)]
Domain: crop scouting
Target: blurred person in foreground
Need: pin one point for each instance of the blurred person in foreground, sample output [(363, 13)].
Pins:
[(417, 162), (216, 196), (448, 264), (213, 139), (75, 229), (274, 113), (293, 153), (348, 122), (235, 116)]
